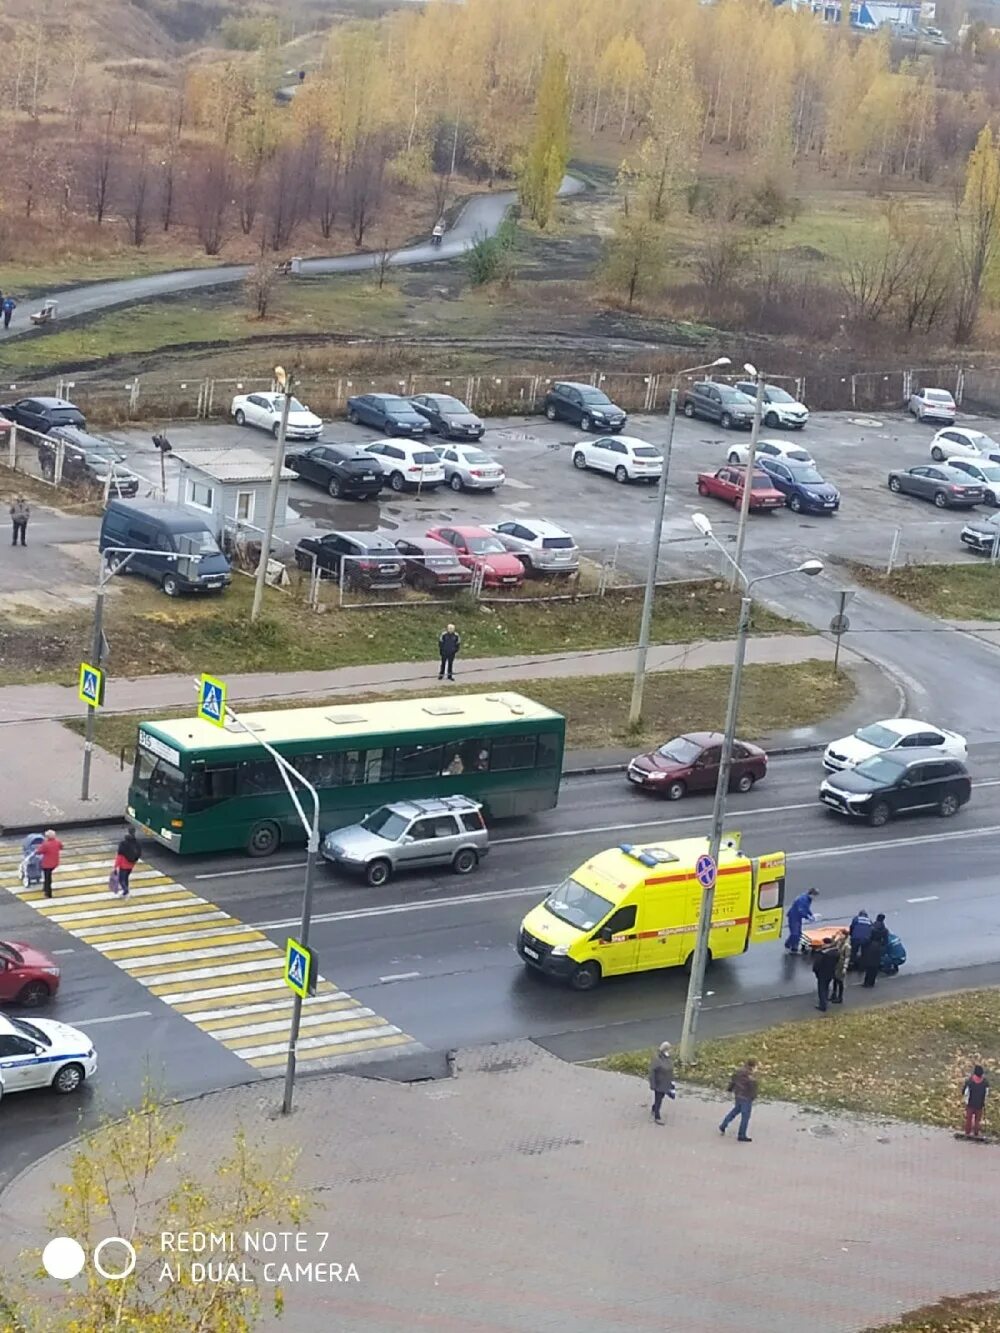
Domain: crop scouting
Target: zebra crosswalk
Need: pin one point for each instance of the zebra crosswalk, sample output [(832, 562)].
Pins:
[(225, 977)]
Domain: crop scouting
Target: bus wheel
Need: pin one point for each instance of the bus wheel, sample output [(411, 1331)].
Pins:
[(264, 839), (377, 872), (586, 977), (465, 861)]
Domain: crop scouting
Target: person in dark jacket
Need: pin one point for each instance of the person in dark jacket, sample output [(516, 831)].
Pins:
[(743, 1086), (871, 954), (129, 852), (824, 967), (974, 1093), (448, 644), (7, 307), (861, 929), (840, 973), (661, 1079), (799, 913)]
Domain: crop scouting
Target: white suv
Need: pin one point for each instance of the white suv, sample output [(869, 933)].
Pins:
[(407, 464), (782, 450), (541, 547), (625, 457), (779, 408)]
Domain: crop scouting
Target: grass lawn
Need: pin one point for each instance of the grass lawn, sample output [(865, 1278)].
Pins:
[(596, 707), (955, 592), (979, 1313), (926, 1050)]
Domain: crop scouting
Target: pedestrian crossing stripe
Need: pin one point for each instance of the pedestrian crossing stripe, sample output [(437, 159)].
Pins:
[(225, 977)]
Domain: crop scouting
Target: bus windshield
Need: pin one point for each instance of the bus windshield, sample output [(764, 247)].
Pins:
[(576, 905), (158, 782)]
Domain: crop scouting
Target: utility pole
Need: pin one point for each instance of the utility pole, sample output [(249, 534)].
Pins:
[(96, 657), (758, 412), (284, 381)]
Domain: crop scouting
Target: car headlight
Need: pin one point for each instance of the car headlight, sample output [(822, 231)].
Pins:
[(51, 971), (597, 412), (560, 951), (861, 796)]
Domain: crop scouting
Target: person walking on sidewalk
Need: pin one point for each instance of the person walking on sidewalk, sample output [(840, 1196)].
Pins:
[(449, 644), (20, 512), (661, 1079), (840, 972), (48, 854), (743, 1086), (8, 306), (824, 967), (974, 1093), (129, 852), (799, 913), (861, 929)]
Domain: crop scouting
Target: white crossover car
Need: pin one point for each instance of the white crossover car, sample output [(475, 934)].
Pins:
[(895, 733), (41, 1053), (625, 457), (783, 451), (264, 410), (779, 407), (959, 441)]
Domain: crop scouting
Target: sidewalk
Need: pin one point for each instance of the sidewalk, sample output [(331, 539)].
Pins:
[(41, 761), (528, 1194)]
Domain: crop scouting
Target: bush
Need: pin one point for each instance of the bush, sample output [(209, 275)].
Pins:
[(489, 258)]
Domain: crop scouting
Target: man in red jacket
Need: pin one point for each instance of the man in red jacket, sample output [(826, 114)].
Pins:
[(48, 855)]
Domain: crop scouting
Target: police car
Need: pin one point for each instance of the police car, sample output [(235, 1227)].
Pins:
[(41, 1053)]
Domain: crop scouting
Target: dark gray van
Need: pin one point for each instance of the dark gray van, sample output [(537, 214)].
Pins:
[(162, 533)]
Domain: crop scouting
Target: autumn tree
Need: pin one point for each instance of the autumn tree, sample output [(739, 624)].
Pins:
[(636, 256), (977, 230), (548, 152), (668, 154)]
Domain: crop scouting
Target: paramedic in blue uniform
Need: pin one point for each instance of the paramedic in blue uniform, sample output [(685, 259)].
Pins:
[(799, 913)]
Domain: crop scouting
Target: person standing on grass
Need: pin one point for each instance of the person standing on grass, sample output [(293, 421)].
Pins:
[(129, 852), (48, 854), (20, 512), (661, 1079), (974, 1093), (844, 948), (449, 644), (824, 967), (743, 1086)]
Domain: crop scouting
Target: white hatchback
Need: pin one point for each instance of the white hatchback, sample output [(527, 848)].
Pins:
[(264, 410), (624, 457), (406, 464), (955, 441), (41, 1053), (895, 733), (782, 450)]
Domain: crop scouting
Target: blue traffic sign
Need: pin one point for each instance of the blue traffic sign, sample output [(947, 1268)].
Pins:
[(212, 701), (300, 968), (91, 686), (705, 869)]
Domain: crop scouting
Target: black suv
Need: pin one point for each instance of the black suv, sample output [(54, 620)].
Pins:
[(894, 782), (721, 403), (343, 470), (42, 414), (585, 406), (87, 458), (356, 559)]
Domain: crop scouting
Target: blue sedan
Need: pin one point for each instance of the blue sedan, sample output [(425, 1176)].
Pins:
[(804, 489), (388, 413)]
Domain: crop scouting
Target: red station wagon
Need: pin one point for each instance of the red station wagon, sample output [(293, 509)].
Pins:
[(27, 976), (727, 484), (691, 763)]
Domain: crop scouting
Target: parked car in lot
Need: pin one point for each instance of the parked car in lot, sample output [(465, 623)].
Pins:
[(780, 408), (982, 533), (802, 485), (432, 565), (623, 457), (898, 783), (691, 763), (27, 975), (542, 547), (727, 484), (958, 442), (387, 412), (932, 405), (719, 402), (42, 414), (449, 417), (410, 835), (264, 410), (355, 559), (406, 465), (785, 450), (980, 473), (894, 733), (87, 458), (467, 468), (170, 545), (344, 471), (478, 548), (945, 486), (585, 406), (41, 1053)]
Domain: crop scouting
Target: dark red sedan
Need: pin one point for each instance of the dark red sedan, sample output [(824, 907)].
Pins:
[(727, 484), (27, 976), (691, 763)]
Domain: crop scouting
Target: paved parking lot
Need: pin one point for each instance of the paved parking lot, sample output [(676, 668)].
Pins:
[(854, 452)]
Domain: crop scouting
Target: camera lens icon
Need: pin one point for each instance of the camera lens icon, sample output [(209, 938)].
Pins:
[(64, 1258)]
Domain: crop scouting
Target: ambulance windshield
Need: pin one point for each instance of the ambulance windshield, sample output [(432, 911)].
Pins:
[(577, 906)]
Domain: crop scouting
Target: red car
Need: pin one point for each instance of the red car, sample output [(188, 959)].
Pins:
[(27, 976), (691, 763), (478, 548), (727, 484)]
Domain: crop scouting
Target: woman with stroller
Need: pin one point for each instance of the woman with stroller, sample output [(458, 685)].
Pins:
[(129, 852), (48, 855)]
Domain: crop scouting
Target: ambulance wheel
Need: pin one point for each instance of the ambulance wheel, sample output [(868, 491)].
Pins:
[(689, 961), (586, 977)]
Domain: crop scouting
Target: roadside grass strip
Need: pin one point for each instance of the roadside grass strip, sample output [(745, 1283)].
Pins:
[(221, 975)]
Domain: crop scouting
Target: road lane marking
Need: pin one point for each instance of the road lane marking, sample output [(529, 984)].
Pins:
[(112, 1018), (214, 970), (930, 898), (400, 976)]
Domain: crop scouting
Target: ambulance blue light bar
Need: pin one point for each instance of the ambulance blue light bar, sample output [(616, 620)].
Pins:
[(647, 856)]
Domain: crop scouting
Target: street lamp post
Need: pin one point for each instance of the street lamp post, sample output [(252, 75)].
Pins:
[(649, 596), (758, 412), (284, 381), (699, 960)]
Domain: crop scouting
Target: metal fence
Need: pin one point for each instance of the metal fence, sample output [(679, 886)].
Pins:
[(69, 469)]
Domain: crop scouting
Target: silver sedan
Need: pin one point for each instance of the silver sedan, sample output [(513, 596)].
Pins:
[(468, 468), (946, 486)]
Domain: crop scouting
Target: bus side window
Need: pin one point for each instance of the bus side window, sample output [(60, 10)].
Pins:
[(418, 761), (548, 751), (474, 755), (511, 752), (209, 786), (260, 778), (374, 765)]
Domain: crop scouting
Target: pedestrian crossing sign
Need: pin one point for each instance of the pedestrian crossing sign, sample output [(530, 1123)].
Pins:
[(91, 688), (212, 701), (300, 968)]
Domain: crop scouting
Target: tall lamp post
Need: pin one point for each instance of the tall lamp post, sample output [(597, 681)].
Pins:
[(699, 959), (284, 382), (758, 412), (649, 596)]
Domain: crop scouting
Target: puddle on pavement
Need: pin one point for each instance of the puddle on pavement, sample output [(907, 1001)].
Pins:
[(364, 516)]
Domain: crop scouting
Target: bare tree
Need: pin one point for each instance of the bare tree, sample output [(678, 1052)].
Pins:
[(329, 189), (260, 287), (211, 191), (363, 186), (285, 196), (137, 199), (101, 157)]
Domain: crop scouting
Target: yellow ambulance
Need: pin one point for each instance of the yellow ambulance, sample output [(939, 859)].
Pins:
[(634, 908)]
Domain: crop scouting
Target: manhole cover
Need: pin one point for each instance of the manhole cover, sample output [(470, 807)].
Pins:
[(864, 421), (822, 1131)]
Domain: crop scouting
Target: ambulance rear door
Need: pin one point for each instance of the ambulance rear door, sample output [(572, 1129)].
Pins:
[(767, 907)]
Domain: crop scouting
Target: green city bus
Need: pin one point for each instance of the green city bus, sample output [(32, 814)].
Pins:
[(197, 787)]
